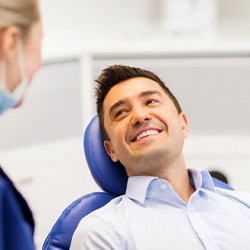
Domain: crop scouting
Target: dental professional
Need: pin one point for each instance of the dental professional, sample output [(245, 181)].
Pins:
[(20, 58)]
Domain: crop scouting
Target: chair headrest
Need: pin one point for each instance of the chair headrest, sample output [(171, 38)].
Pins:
[(110, 176)]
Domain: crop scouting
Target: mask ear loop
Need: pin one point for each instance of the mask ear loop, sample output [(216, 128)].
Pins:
[(3, 74), (21, 89), (20, 56)]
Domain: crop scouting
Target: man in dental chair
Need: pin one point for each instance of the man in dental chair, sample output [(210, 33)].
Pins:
[(166, 204)]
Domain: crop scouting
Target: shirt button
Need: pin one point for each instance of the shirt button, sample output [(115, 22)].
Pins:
[(163, 186)]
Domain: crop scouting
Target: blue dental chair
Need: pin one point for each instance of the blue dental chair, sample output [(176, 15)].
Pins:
[(110, 176)]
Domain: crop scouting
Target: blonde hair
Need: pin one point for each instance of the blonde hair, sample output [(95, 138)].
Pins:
[(20, 13)]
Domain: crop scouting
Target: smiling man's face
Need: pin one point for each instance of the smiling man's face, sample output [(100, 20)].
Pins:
[(145, 130)]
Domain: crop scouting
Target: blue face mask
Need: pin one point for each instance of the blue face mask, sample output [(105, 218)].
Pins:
[(11, 99), (6, 100)]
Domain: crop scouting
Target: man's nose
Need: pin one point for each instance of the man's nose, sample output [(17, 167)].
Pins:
[(140, 115)]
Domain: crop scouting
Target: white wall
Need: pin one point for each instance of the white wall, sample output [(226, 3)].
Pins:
[(110, 19), (98, 19)]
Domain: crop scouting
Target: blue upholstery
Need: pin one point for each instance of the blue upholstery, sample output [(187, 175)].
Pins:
[(221, 184), (110, 176)]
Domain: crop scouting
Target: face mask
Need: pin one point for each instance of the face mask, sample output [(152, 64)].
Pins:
[(11, 99)]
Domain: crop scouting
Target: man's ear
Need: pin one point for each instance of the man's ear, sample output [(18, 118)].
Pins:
[(110, 151), (8, 41), (184, 124)]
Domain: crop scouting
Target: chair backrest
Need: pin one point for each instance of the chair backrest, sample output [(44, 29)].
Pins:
[(110, 176)]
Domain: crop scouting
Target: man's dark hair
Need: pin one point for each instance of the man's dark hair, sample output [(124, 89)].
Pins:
[(115, 74)]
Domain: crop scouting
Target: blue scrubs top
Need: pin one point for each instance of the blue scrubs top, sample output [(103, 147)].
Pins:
[(16, 219)]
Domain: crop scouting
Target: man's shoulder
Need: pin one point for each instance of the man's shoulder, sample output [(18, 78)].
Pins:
[(104, 217), (108, 208), (99, 225), (110, 214), (238, 196)]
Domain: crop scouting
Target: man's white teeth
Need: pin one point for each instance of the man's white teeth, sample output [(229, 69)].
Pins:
[(146, 133)]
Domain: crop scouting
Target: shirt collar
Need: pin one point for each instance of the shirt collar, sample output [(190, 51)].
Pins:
[(138, 186), (201, 179)]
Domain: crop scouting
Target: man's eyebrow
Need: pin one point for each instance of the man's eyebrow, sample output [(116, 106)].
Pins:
[(150, 92)]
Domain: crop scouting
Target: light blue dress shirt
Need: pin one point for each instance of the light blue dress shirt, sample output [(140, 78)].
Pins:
[(152, 216)]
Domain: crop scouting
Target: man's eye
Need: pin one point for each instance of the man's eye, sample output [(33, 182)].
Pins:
[(120, 112), (151, 101)]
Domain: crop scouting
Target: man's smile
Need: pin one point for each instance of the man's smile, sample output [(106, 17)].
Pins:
[(145, 134)]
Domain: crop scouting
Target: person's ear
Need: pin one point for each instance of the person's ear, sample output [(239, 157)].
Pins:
[(110, 151), (8, 40), (184, 124)]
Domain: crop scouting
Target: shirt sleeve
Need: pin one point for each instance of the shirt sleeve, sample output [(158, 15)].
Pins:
[(93, 233)]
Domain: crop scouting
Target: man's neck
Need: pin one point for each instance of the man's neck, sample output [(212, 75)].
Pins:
[(177, 175)]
